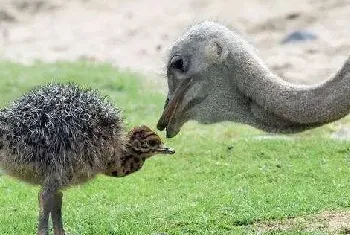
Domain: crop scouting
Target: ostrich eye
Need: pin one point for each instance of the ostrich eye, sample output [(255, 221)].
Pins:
[(177, 63)]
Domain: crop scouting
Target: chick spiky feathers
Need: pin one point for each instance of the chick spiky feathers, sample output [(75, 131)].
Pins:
[(59, 126)]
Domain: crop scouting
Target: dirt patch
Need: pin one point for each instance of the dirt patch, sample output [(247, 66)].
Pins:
[(329, 222)]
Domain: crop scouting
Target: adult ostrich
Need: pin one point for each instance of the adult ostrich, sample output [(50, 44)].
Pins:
[(215, 75)]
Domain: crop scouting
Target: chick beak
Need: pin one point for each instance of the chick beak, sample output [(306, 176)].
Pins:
[(165, 150)]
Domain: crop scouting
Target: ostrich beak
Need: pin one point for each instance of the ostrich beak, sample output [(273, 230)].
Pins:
[(170, 109)]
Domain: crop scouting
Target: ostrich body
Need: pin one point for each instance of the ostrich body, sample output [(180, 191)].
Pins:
[(57, 136), (214, 75)]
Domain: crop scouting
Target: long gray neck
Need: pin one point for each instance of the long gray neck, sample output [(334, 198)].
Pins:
[(301, 104)]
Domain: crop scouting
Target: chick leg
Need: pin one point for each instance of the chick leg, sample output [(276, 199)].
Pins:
[(56, 214), (45, 205)]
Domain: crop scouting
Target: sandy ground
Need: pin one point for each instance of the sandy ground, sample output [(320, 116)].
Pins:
[(137, 33)]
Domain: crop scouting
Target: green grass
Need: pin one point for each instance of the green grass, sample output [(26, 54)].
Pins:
[(220, 181)]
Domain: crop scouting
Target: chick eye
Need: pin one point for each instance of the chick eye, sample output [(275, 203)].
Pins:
[(152, 142), (177, 63)]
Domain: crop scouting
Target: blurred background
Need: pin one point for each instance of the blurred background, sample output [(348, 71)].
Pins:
[(302, 40)]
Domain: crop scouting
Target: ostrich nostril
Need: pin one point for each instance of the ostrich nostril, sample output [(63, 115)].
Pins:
[(166, 102)]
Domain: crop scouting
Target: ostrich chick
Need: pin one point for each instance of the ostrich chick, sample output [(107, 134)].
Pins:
[(61, 135)]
